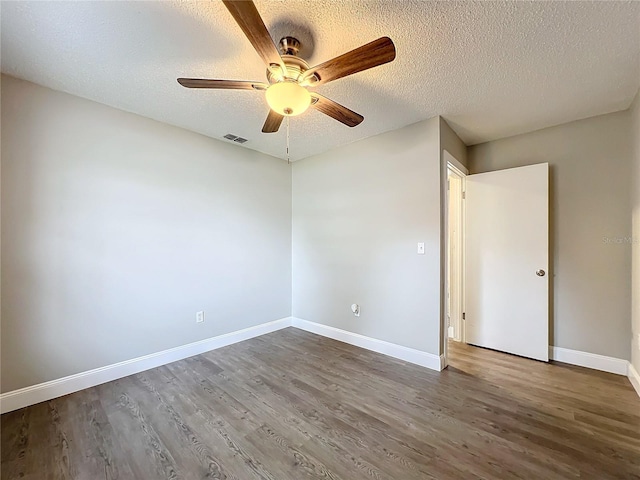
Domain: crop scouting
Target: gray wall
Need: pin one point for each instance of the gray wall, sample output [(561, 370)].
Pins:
[(590, 164), (358, 213), (116, 229), (450, 142), (635, 284)]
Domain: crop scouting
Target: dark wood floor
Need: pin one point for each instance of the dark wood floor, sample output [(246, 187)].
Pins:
[(292, 405)]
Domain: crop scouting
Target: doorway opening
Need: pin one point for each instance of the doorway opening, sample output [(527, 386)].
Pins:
[(495, 260), (454, 238)]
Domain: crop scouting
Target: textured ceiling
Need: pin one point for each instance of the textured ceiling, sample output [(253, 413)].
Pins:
[(492, 69)]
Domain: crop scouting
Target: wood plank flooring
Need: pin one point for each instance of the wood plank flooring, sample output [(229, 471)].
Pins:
[(293, 405)]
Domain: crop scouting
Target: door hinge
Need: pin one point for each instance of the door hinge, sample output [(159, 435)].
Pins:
[(464, 195), (464, 316)]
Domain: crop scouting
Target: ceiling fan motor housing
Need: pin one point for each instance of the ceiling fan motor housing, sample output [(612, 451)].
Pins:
[(289, 46), (295, 68)]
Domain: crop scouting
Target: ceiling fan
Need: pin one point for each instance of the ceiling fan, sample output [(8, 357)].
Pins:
[(289, 76)]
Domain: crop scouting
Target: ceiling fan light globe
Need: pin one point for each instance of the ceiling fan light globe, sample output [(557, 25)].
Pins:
[(288, 98)]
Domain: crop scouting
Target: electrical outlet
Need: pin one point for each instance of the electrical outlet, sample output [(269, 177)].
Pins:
[(199, 317)]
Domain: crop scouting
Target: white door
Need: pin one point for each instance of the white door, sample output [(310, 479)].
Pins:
[(507, 257)]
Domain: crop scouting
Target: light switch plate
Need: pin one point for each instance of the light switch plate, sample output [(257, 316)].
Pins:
[(420, 248)]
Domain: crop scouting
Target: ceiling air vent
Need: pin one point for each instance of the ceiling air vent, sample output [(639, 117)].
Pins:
[(235, 138)]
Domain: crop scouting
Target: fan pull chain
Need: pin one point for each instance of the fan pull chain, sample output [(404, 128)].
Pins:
[(288, 159)]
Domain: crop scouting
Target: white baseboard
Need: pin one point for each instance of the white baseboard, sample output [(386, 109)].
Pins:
[(63, 386), (634, 378), (411, 355), (589, 360), (597, 362)]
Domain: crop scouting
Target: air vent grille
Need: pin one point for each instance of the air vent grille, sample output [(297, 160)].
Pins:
[(235, 138)]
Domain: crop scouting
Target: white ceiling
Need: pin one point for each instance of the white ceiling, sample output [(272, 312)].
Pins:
[(492, 69)]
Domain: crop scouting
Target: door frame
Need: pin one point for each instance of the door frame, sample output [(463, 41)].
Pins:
[(451, 163)]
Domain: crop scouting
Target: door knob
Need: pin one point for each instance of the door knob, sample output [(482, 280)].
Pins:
[(540, 273)]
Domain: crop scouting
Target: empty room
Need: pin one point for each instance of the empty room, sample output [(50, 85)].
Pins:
[(320, 239)]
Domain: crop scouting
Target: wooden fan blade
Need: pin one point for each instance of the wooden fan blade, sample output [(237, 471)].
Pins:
[(272, 124), (336, 111), (371, 55), (223, 84), (246, 15)]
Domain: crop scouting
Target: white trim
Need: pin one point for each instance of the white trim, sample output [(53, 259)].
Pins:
[(634, 378), (450, 331), (411, 355), (63, 386), (455, 163), (589, 360), (443, 362)]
